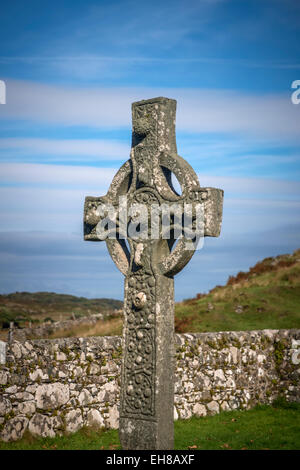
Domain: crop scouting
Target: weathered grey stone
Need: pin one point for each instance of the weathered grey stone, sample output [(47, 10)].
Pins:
[(206, 395), (261, 358), (77, 371), (52, 396), (188, 387), (14, 429), (16, 349), (28, 346), (5, 405), (230, 383), (199, 410), (113, 418), (3, 377), (233, 350), (213, 407), (94, 419), (2, 352), (37, 374), (85, 397), (60, 356), (73, 420), (112, 367), (102, 396), (27, 408), (147, 392), (224, 406), (73, 402), (31, 388), (219, 376), (95, 369), (12, 389), (24, 396), (42, 426), (185, 413)]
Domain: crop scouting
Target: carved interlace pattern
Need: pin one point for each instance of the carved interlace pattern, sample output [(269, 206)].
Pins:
[(139, 362)]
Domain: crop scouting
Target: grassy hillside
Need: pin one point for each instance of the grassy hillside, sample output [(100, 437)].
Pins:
[(267, 296), (23, 307)]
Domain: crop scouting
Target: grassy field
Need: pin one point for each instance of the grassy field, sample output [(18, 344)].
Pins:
[(263, 427)]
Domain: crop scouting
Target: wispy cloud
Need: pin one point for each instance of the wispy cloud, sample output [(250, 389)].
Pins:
[(65, 176), (198, 110), (76, 149), (254, 187), (102, 62)]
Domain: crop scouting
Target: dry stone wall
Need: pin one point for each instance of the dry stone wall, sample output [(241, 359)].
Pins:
[(49, 387)]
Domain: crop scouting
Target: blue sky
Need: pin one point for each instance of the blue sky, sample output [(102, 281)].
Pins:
[(72, 70)]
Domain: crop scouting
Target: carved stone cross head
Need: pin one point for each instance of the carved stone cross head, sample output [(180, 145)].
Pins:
[(131, 218)]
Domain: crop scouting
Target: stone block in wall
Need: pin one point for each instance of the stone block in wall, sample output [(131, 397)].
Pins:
[(213, 407), (14, 429), (5, 406), (45, 426), (3, 377), (26, 408), (52, 396), (199, 410), (85, 398), (113, 417), (95, 419), (2, 352), (73, 421)]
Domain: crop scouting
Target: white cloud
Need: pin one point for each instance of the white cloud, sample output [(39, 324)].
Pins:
[(56, 175), (199, 110), (98, 149), (253, 186)]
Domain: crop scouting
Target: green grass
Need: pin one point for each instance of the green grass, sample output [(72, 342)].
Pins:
[(263, 307), (263, 427)]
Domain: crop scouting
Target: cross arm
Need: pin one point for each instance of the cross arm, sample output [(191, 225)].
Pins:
[(212, 199), (117, 248), (91, 217)]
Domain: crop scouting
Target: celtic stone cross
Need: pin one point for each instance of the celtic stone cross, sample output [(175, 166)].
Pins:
[(149, 263)]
